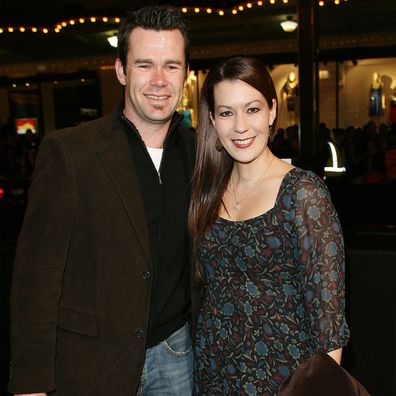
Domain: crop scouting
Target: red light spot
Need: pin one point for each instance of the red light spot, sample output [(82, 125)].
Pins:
[(2, 193)]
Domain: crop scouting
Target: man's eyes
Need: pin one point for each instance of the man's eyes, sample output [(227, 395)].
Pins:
[(173, 67), (147, 66)]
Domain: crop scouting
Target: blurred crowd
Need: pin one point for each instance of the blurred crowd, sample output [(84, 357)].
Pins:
[(367, 153), (17, 156)]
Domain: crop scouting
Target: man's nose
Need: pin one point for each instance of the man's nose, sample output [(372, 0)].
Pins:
[(158, 77)]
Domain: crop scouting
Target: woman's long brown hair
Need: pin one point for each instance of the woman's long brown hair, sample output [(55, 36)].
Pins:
[(212, 167)]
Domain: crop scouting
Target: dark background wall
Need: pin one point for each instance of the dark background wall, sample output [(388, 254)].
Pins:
[(371, 292)]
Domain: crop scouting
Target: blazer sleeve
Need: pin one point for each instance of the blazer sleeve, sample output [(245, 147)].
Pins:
[(41, 256)]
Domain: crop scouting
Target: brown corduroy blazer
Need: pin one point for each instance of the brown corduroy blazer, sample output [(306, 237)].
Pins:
[(79, 304)]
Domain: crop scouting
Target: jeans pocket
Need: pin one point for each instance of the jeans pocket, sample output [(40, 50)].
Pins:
[(179, 343)]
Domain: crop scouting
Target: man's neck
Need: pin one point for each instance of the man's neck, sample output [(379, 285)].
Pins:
[(153, 135)]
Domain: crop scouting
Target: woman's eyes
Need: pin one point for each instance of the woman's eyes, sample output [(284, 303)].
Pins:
[(226, 114), (250, 110)]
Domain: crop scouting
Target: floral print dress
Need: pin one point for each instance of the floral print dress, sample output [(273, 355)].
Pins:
[(274, 293)]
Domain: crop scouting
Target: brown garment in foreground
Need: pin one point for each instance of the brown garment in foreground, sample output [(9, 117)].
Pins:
[(321, 375)]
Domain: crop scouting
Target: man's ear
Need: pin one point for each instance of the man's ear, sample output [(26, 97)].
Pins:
[(119, 69), (186, 76)]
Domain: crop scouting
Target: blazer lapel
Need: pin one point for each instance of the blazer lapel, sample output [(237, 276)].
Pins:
[(189, 144), (116, 157)]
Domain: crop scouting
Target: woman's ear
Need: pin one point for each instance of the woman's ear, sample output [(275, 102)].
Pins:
[(272, 114), (212, 119)]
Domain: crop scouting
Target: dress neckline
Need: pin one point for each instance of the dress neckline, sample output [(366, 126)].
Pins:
[(285, 177)]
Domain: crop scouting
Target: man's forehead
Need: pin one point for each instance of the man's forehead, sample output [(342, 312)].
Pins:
[(146, 43), (157, 36)]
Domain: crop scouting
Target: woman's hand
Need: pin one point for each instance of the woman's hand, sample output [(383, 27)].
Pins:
[(30, 394), (336, 355)]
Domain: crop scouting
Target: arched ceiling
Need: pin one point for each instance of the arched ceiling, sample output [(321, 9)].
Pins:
[(354, 23)]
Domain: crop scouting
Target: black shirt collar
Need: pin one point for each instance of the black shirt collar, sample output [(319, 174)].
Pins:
[(135, 135)]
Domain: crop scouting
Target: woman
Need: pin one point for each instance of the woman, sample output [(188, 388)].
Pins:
[(270, 256)]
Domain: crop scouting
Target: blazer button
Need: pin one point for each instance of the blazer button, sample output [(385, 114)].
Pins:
[(139, 333), (146, 275)]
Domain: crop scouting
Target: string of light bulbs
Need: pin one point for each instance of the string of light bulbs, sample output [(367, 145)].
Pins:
[(111, 20)]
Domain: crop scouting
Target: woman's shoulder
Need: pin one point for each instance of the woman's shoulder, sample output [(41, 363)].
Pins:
[(302, 176), (305, 182)]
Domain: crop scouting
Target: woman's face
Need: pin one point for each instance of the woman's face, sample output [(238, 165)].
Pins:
[(241, 119)]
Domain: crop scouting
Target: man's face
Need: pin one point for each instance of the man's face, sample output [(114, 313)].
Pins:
[(154, 76)]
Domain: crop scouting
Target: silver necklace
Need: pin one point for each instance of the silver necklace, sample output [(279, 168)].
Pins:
[(237, 203)]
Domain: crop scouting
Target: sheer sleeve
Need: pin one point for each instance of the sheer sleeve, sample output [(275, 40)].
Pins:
[(322, 259)]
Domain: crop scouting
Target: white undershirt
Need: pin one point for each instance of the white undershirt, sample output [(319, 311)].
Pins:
[(156, 156)]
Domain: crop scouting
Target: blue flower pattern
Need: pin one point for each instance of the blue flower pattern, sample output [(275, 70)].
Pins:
[(274, 293)]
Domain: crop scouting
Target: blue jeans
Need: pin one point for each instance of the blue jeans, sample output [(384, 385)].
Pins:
[(168, 367)]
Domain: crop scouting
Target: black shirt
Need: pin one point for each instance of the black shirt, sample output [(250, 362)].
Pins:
[(165, 197)]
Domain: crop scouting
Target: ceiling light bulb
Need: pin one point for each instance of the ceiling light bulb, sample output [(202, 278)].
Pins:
[(289, 25), (113, 41)]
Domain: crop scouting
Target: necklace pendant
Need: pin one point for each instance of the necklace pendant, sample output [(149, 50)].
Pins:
[(237, 205)]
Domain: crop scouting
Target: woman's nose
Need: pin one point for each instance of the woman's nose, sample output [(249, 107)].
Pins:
[(240, 123)]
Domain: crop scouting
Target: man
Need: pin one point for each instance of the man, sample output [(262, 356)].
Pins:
[(101, 281)]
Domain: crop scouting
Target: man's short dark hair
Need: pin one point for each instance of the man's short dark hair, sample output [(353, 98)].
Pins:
[(151, 18)]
